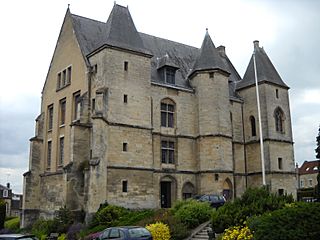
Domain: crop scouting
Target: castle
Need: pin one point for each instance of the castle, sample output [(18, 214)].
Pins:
[(140, 121)]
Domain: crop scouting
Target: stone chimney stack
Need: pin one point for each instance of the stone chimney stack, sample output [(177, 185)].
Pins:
[(222, 50), (256, 44)]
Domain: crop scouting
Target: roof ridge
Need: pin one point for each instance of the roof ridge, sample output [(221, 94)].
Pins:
[(172, 41), (87, 18)]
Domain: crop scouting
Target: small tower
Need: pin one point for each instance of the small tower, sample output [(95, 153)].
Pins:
[(209, 77), (276, 125)]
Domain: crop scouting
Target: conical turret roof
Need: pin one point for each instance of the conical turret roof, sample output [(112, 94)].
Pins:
[(266, 72), (209, 57), (121, 31)]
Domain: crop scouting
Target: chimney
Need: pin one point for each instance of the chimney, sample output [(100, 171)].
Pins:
[(222, 50), (8, 185), (256, 44)]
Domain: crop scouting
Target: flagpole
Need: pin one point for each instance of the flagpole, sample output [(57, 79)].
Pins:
[(259, 114)]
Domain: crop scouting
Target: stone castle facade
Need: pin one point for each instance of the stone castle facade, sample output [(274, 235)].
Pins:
[(140, 121)]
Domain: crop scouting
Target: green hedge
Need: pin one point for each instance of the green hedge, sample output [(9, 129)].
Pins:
[(12, 224), (255, 201), (294, 222)]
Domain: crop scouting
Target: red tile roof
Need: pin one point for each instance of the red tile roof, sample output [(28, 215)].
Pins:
[(309, 167)]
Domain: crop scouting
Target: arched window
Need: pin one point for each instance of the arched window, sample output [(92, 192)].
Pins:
[(279, 120), (167, 113), (253, 126)]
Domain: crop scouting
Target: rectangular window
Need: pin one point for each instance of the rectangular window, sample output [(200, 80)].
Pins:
[(50, 117), (125, 66), (281, 192), (125, 147), (125, 98), (61, 151), (310, 182), (76, 106), (59, 80), (62, 111), (301, 183), (69, 75), (280, 163), (170, 75), (167, 115), (49, 150), (277, 93), (211, 75), (125, 186), (5, 193), (167, 152), (64, 77)]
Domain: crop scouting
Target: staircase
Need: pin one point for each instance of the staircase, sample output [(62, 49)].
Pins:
[(200, 232)]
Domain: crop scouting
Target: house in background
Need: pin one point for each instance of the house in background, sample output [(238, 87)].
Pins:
[(141, 121), (13, 201), (307, 174)]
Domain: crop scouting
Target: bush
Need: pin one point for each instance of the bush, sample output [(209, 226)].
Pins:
[(237, 233), (13, 224), (254, 202), (62, 237), (192, 213), (159, 231), (296, 221), (43, 227), (109, 215)]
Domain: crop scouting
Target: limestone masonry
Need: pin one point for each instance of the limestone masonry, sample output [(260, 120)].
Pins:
[(140, 121)]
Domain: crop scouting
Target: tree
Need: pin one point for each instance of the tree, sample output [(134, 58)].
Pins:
[(317, 150), (2, 213)]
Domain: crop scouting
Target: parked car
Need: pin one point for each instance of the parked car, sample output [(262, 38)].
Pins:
[(17, 236), (126, 233), (215, 200)]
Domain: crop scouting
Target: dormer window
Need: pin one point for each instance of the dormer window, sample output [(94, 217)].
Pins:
[(170, 75)]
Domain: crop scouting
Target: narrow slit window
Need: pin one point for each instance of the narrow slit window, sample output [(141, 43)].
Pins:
[(125, 98), (49, 150), (253, 126), (280, 163), (124, 147), (125, 186), (277, 93), (126, 65), (62, 111)]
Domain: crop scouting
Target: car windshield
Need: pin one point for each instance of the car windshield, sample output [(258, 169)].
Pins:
[(138, 232)]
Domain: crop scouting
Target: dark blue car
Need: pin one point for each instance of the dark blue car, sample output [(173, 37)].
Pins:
[(126, 233)]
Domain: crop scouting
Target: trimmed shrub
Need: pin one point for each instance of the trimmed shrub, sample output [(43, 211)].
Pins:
[(13, 224), (192, 213), (254, 202), (294, 222), (159, 231)]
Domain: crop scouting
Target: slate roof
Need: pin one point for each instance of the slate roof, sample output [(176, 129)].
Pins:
[(209, 57), (119, 31), (265, 70), (309, 167)]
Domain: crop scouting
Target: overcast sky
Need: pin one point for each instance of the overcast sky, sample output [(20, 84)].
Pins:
[(289, 31)]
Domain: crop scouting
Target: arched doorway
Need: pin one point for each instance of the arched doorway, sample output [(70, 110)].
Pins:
[(227, 189), (187, 190), (168, 186)]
